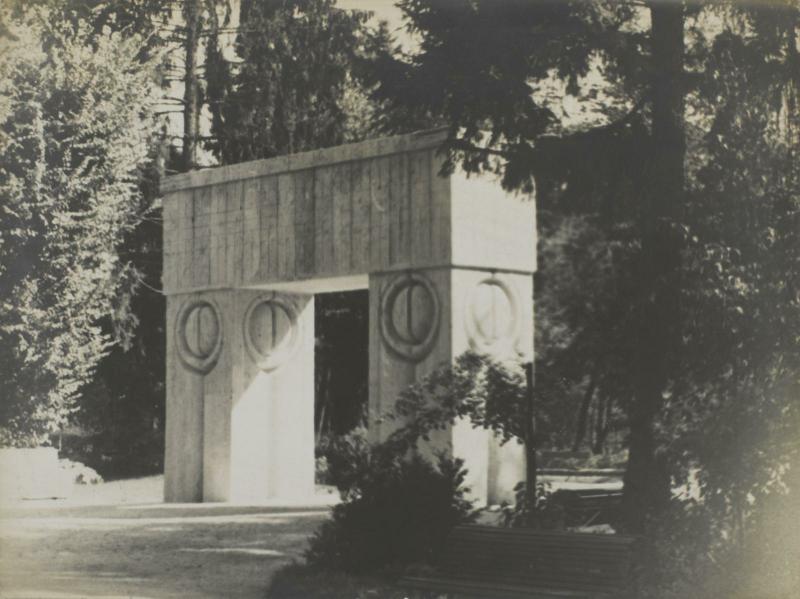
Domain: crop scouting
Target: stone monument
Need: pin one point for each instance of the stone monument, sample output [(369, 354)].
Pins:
[(448, 262)]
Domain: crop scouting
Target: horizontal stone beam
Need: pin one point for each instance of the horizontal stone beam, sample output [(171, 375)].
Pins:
[(377, 206), (372, 148)]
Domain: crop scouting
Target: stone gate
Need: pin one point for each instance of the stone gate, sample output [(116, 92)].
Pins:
[(448, 262)]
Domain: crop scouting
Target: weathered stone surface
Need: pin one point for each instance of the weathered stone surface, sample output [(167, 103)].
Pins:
[(448, 264), (292, 220)]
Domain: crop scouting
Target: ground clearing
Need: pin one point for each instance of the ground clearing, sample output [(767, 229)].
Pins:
[(117, 540)]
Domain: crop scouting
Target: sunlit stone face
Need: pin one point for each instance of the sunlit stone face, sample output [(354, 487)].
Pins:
[(492, 312), (492, 318), (270, 328)]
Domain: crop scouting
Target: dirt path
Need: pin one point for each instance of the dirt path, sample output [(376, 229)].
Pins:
[(111, 543)]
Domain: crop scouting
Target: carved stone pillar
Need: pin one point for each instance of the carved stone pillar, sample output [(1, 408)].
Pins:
[(240, 409), (448, 260), (426, 318)]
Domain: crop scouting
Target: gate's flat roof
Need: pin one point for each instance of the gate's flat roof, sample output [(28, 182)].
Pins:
[(371, 148)]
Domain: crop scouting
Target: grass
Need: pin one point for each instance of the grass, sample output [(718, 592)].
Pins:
[(299, 581)]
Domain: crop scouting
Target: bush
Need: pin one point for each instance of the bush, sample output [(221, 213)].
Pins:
[(117, 453), (339, 458), (397, 510), (348, 459)]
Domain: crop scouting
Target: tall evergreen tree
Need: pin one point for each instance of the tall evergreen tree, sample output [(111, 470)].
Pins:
[(298, 65), (297, 79)]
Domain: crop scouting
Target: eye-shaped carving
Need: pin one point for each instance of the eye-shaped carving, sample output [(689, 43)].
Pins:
[(271, 330), (492, 316), (199, 335), (410, 316)]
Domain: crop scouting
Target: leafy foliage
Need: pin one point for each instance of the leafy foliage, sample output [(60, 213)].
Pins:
[(488, 393), (501, 108), (397, 509), (734, 411), (75, 125), (585, 330), (123, 407), (484, 69), (681, 289), (298, 71)]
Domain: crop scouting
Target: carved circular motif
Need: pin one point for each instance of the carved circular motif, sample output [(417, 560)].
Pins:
[(271, 331), (410, 316), (199, 335), (492, 318)]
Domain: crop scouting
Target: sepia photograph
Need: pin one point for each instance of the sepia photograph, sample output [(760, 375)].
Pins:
[(399, 299)]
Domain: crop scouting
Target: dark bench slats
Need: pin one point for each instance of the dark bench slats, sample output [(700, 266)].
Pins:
[(549, 543), (540, 565), (498, 590), (523, 545), (577, 554), (585, 542), (459, 561), (541, 575), (495, 562), (516, 579), (575, 538), (552, 578), (460, 558)]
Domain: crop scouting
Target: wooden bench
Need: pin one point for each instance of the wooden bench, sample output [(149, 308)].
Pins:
[(585, 507), (488, 561)]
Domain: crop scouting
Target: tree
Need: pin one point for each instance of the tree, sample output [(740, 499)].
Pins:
[(647, 480), (497, 77), (123, 408), (201, 22), (296, 79), (300, 65), (120, 412), (191, 14), (583, 331), (76, 121), (478, 70), (734, 414)]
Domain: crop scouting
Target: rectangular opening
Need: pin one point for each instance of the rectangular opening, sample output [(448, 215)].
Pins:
[(341, 363)]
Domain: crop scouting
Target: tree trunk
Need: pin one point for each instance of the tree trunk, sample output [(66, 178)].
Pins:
[(583, 412), (601, 428), (191, 111), (646, 479)]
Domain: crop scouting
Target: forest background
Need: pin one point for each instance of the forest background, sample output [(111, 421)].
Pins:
[(661, 139)]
